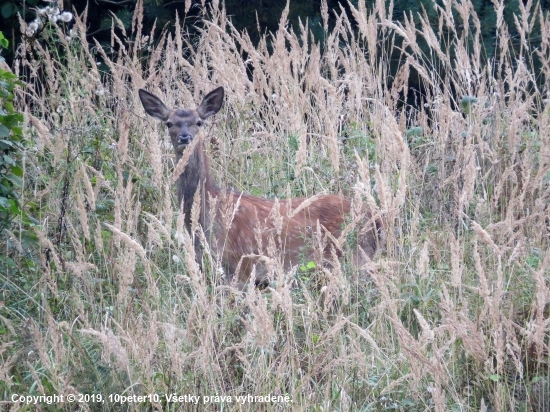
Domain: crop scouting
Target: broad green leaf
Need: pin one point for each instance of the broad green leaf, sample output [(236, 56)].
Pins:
[(16, 180), (4, 131), (9, 160), (17, 171), (5, 144), (8, 10)]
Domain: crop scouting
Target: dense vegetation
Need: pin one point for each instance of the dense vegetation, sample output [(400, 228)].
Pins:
[(103, 296), (257, 17)]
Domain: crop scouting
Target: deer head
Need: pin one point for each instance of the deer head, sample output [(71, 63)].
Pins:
[(183, 124)]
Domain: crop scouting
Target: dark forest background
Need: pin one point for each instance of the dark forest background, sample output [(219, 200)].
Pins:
[(256, 16)]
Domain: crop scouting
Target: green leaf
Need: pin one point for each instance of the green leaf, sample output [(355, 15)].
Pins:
[(5, 144), (408, 402), (9, 262), (4, 83), (8, 10), (17, 131), (9, 160), (466, 103), (414, 132), (14, 207), (16, 180), (105, 206), (495, 377), (4, 131), (17, 171), (11, 120), (32, 221)]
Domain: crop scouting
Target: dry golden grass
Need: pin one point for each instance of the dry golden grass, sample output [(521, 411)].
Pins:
[(454, 315)]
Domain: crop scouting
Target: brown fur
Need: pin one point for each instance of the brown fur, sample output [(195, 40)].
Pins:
[(258, 228)]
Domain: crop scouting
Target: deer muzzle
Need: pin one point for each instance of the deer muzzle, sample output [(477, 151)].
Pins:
[(184, 139)]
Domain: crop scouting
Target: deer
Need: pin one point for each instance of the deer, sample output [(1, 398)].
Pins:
[(258, 226)]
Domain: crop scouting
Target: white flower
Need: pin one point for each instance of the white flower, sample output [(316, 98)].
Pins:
[(360, 186), (66, 16), (32, 28), (180, 237)]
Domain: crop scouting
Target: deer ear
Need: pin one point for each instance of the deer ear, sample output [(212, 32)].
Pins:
[(211, 104), (153, 105)]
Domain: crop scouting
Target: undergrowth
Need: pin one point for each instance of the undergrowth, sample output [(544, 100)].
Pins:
[(454, 312)]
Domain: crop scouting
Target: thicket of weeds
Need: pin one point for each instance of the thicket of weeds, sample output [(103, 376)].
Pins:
[(454, 314)]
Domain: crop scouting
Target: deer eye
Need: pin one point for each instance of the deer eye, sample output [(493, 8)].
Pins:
[(169, 124), (199, 123)]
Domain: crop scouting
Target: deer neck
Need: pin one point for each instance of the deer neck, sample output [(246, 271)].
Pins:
[(197, 175)]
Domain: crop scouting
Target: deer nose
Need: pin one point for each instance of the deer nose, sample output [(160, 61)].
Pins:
[(184, 138)]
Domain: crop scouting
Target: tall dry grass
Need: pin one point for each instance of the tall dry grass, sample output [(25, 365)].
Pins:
[(454, 314)]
